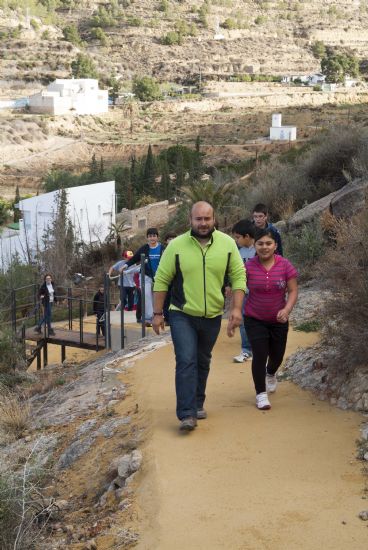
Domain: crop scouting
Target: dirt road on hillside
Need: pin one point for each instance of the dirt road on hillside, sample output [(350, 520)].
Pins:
[(283, 479)]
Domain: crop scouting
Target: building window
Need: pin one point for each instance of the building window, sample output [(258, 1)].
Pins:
[(142, 223)]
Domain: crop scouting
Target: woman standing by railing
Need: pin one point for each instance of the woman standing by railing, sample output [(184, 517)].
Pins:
[(48, 298)]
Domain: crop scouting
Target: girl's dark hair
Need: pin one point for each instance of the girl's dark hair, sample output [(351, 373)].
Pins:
[(48, 275), (259, 233)]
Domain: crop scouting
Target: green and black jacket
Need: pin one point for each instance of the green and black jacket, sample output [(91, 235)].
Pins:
[(197, 274)]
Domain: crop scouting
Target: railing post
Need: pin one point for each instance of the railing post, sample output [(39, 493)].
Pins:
[(143, 293), (70, 309), (122, 308), (107, 311), (36, 309), (81, 321), (24, 340)]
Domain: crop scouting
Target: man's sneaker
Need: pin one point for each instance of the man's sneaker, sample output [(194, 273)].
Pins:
[(242, 357), (38, 330), (188, 424), (51, 332), (201, 414), (271, 383), (262, 401)]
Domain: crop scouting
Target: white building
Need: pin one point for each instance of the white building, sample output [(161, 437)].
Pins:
[(279, 132), (91, 209), (70, 96)]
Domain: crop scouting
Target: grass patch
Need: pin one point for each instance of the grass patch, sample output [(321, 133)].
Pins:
[(313, 325), (14, 413)]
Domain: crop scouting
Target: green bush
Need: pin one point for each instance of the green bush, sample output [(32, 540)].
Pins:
[(229, 24), (71, 34), (318, 49), (172, 38), (83, 67), (317, 88), (98, 34), (134, 21), (34, 24), (343, 269), (260, 20), (103, 18), (11, 353), (163, 6), (305, 247), (146, 88)]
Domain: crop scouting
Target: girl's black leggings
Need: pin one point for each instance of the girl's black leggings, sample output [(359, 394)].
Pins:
[(268, 341)]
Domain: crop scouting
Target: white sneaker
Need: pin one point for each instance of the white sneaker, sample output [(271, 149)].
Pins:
[(242, 357), (271, 383), (262, 402)]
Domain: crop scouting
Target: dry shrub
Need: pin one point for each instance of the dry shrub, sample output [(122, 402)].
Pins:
[(344, 271), (14, 413), (335, 158)]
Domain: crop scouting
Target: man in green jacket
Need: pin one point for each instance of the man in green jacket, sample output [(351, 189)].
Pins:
[(197, 264)]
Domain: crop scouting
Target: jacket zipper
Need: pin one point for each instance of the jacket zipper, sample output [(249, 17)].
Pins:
[(204, 277)]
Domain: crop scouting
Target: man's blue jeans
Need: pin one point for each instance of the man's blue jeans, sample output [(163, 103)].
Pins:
[(193, 339), (245, 344)]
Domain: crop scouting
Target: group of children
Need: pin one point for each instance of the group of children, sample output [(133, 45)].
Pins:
[(129, 267)]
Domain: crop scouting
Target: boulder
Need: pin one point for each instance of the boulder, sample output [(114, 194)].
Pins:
[(310, 212), (350, 199)]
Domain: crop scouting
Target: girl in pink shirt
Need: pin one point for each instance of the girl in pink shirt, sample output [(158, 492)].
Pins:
[(269, 279)]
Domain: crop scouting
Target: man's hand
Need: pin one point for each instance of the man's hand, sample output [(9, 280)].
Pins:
[(235, 320), (158, 322)]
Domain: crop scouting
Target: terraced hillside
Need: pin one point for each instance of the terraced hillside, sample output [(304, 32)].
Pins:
[(125, 37)]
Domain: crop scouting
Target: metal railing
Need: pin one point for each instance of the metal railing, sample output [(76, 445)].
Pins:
[(24, 312)]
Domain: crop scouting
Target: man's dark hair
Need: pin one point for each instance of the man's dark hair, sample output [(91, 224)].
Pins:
[(260, 207), (152, 231), (259, 233), (244, 227)]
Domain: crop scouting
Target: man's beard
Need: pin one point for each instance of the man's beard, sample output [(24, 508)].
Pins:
[(202, 235)]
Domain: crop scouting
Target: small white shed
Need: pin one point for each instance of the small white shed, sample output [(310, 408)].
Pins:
[(279, 132)]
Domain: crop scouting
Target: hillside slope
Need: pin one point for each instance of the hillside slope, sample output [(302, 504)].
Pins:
[(271, 37)]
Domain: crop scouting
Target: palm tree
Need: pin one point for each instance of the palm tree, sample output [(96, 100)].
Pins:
[(219, 195)]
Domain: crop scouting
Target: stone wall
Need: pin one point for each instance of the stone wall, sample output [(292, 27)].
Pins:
[(140, 219)]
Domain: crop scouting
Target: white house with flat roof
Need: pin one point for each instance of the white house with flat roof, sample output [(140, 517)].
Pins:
[(91, 209), (79, 96)]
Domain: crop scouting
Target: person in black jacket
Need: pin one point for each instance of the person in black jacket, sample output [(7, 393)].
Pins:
[(48, 298), (153, 251), (99, 310)]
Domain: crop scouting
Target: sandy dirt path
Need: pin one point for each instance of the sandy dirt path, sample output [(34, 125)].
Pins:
[(245, 479)]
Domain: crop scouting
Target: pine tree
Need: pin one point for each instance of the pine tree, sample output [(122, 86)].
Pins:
[(148, 179), (58, 240), (165, 186), (133, 183), (101, 170), (93, 170), (16, 215), (180, 173), (197, 169)]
